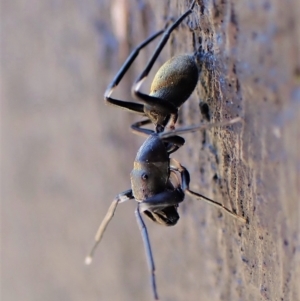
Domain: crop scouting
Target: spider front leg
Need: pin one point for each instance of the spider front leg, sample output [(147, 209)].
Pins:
[(185, 181), (161, 208), (122, 197), (148, 250), (195, 128)]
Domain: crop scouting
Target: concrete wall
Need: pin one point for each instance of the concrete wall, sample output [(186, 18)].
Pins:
[(65, 155)]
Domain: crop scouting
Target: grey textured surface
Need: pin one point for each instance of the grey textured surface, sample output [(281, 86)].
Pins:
[(65, 155)]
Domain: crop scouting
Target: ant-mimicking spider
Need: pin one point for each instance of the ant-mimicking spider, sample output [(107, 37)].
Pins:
[(159, 183)]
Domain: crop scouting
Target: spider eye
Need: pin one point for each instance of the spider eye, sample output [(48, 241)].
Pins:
[(144, 176)]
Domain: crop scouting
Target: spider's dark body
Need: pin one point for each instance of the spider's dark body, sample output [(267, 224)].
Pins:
[(159, 183)]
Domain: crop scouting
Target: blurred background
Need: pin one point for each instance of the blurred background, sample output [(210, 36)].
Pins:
[(65, 154)]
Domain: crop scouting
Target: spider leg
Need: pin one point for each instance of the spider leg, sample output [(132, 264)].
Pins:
[(185, 181), (148, 250), (122, 197), (157, 206), (161, 45), (136, 128), (131, 106), (194, 128), (173, 143), (155, 102)]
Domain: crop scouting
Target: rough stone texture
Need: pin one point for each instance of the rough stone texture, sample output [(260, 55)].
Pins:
[(65, 154)]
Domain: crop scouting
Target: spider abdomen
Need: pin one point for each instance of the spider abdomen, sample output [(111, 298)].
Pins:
[(176, 79)]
